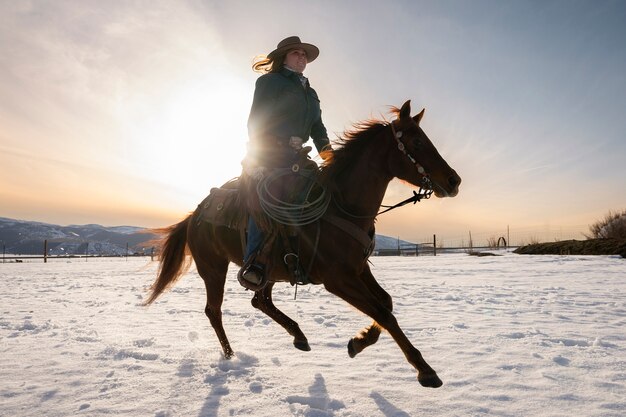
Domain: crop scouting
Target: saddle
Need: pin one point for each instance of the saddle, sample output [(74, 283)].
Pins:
[(223, 207), (232, 203)]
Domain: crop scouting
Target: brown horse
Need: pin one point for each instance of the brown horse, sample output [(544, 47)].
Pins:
[(357, 175)]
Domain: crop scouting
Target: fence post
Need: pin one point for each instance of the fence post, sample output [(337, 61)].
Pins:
[(45, 251), (508, 237), (434, 245)]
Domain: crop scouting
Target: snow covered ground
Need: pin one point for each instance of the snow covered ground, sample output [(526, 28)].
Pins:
[(510, 336)]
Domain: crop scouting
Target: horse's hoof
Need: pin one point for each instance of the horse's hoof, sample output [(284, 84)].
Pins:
[(351, 350), (302, 345), (430, 381)]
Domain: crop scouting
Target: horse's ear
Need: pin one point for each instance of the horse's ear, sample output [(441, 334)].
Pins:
[(418, 116), (405, 110)]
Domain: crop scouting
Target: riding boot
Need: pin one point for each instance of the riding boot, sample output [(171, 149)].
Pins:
[(253, 274)]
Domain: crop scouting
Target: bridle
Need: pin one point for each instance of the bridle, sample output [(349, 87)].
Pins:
[(426, 185)]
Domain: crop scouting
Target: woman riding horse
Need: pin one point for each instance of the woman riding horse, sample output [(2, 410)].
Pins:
[(336, 246)]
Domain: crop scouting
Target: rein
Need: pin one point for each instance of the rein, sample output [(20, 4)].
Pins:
[(417, 197), (426, 187)]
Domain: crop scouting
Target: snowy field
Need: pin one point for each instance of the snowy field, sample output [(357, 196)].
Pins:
[(509, 336)]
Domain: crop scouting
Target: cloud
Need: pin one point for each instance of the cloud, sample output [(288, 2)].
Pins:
[(526, 103)]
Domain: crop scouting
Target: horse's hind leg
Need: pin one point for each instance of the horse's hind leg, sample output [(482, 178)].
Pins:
[(369, 335), (263, 301), (354, 292), (214, 276)]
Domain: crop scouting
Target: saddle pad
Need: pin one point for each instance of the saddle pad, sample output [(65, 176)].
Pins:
[(221, 208)]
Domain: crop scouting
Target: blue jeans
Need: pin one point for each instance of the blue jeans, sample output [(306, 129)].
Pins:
[(255, 239)]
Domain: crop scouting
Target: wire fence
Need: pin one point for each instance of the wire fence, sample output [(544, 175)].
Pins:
[(83, 251), (506, 237), (514, 236)]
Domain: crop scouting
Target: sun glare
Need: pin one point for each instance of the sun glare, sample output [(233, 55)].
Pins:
[(196, 139)]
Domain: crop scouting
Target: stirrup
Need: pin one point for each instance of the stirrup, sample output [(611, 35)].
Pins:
[(295, 269), (258, 270), (287, 255)]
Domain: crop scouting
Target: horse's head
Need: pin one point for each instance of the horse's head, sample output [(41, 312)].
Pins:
[(417, 161)]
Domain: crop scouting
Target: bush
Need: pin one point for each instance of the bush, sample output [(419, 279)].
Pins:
[(612, 226)]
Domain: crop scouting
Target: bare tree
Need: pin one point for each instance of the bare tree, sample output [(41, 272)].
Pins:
[(612, 226)]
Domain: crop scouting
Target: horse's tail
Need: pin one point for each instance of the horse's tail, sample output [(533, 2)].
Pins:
[(173, 260)]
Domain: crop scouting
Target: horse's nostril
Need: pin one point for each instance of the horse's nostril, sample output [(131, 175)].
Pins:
[(454, 181)]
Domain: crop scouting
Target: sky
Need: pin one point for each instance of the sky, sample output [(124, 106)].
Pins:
[(128, 112)]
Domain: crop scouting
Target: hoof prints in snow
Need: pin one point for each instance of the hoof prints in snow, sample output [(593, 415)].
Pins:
[(517, 336), (121, 354)]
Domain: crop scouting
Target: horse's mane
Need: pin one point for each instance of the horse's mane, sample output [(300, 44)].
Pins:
[(353, 142)]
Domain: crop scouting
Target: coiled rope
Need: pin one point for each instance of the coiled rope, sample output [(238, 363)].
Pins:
[(292, 214)]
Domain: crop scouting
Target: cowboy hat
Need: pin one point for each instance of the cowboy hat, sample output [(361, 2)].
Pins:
[(294, 42)]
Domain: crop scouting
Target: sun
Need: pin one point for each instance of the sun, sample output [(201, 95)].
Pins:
[(196, 137)]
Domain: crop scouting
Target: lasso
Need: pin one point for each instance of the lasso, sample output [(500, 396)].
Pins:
[(292, 214)]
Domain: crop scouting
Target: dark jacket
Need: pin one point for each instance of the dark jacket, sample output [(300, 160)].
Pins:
[(282, 108)]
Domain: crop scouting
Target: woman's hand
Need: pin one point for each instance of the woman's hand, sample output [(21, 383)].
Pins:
[(326, 152)]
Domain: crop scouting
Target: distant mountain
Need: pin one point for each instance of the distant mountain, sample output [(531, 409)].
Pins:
[(386, 242), (27, 238)]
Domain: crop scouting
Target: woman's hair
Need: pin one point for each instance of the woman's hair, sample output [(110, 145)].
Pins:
[(264, 65)]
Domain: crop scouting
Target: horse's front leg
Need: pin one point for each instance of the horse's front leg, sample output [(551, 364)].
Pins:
[(263, 301), (358, 294), (369, 335), (366, 337)]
